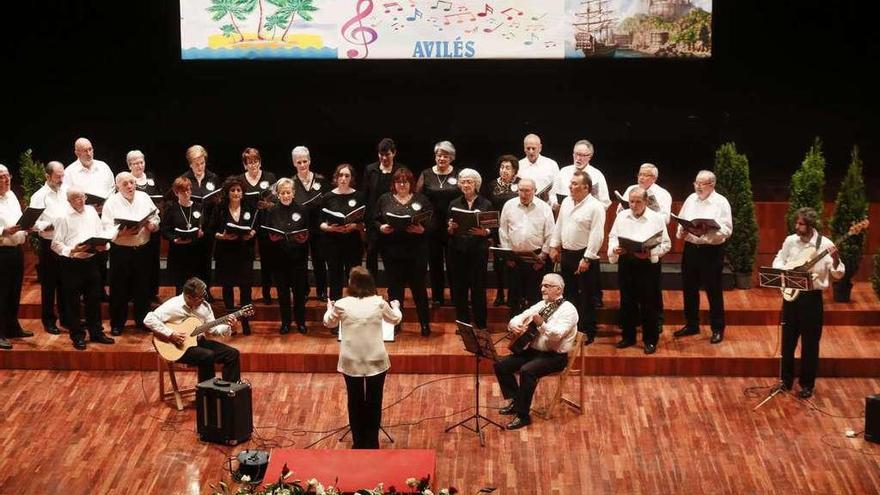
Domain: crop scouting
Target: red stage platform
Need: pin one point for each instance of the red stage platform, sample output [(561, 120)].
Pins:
[(354, 469)]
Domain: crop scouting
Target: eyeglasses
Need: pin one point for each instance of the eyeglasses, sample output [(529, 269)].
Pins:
[(548, 285)]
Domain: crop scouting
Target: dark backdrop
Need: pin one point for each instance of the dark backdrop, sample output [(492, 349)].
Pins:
[(783, 72)]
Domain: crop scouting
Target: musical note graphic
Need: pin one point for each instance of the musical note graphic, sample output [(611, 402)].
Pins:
[(389, 6), (397, 26), (549, 44), (534, 27), (355, 32), (531, 40), (458, 17), (511, 9), (538, 18), (491, 30), (416, 15), (447, 3), (486, 11), (508, 35)]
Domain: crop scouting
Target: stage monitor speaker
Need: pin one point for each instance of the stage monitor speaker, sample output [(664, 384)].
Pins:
[(872, 418), (224, 411)]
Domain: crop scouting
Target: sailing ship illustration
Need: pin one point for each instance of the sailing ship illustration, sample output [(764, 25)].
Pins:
[(593, 35)]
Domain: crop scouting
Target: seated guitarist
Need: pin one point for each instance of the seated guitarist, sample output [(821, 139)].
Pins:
[(191, 302), (548, 352)]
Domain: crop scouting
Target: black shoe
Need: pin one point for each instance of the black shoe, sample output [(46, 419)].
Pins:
[(79, 344), (426, 330), (52, 328), (101, 339), (116, 331), (624, 343), (518, 423), (21, 333), (509, 409), (5, 344), (285, 328), (805, 392), (589, 339), (245, 327), (301, 328), (397, 329), (686, 331), (334, 331), (650, 348), (784, 385), (717, 336)]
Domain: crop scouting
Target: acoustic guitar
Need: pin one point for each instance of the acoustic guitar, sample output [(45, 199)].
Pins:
[(193, 328), (809, 257), (525, 339)]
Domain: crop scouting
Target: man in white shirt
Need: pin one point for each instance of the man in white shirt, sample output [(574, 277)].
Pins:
[(659, 199), (556, 323), (638, 272), (11, 262), (52, 197), (525, 225), (191, 303), (129, 258), (703, 260), (582, 153), (575, 244), (80, 277), (802, 318), (91, 175), (540, 169)]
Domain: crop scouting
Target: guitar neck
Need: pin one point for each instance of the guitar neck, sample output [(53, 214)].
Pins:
[(824, 252), (211, 324)]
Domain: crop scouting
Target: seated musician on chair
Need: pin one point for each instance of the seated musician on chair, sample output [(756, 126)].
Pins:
[(191, 303), (554, 321)]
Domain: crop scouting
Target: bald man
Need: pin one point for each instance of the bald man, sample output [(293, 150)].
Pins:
[(541, 169)]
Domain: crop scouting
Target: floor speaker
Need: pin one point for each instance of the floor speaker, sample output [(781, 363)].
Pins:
[(872, 418), (224, 411)]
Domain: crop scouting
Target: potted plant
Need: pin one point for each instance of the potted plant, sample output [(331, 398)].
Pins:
[(807, 184), (851, 207), (33, 176), (732, 182)]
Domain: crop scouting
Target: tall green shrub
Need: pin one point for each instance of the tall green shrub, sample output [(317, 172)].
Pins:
[(33, 176), (733, 182), (851, 206), (807, 185)]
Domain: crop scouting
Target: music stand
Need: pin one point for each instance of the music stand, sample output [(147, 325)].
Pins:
[(780, 278), (478, 342)]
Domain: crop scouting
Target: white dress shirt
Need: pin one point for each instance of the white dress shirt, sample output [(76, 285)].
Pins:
[(74, 228), (362, 350), (10, 212), (97, 179), (563, 179), (791, 250), (580, 226), (543, 171), (659, 200), (557, 333), (117, 206), (55, 205), (175, 310), (627, 225), (525, 228), (716, 207)]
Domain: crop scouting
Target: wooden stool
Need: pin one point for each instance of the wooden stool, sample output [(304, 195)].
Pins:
[(175, 391), (577, 354)]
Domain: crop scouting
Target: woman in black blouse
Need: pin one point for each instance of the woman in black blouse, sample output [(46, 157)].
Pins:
[(469, 252), (341, 243), (233, 226), (291, 254), (144, 181), (182, 222), (440, 185), (257, 196), (502, 190), (205, 192), (405, 250), (310, 189)]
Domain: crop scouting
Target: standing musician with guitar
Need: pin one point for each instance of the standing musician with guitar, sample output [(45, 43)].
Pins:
[(553, 325), (802, 316), (204, 353)]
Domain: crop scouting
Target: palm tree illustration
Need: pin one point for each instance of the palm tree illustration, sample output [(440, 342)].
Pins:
[(260, 22), (273, 22), (235, 9), (288, 10)]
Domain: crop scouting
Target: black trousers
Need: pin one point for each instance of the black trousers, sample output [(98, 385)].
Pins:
[(524, 286), (579, 288), (701, 265), (639, 281), (244, 296), (81, 278), (319, 264), (372, 251), (365, 408), (12, 266), (802, 319), (401, 272), (467, 270), (129, 281), (153, 247), (596, 279), (532, 365), (49, 271), (265, 251), (438, 253), (343, 252), (292, 275), (500, 268), (206, 353)]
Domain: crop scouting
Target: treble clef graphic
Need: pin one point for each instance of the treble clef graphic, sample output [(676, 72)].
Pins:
[(355, 32)]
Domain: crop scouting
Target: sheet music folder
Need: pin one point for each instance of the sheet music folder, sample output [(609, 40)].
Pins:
[(780, 278), (477, 341)]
